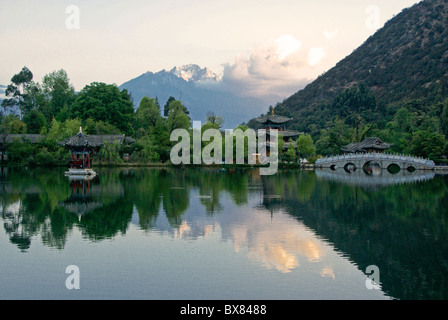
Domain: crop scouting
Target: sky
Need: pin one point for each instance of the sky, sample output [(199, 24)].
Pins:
[(258, 47)]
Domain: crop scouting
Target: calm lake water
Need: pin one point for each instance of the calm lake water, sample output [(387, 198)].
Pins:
[(223, 234)]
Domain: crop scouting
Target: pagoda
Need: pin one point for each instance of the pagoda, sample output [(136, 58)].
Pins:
[(81, 148), (274, 122)]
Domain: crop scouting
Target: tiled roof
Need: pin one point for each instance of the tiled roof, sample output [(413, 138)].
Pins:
[(33, 138), (369, 143), (82, 140), (274, 119)]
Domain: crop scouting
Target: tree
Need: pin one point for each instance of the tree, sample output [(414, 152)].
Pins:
[(427, 144), (177, 117), (355, 105), (444, 118), (148, 113), (100, 101), (305, 146), (34, 121), (58, 91), (290, 154), (11, 124), (336, 135), (21, 91), (91, 126), (215, 119), (166, 108)]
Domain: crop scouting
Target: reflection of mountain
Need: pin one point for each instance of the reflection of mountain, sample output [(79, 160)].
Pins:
[(400, 228), (285, 222)]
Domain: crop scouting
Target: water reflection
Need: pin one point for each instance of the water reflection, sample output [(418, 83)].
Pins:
[(374, 176), (281, 222)]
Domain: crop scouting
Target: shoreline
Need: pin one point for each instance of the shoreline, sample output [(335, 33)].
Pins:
[(437, 169)]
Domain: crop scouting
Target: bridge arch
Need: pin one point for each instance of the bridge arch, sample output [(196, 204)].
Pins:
[(350, 167), (393, 168), (372, 168)]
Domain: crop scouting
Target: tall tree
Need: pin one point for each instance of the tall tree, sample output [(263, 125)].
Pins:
[(178, 117), (166, 108), (215, 119), (101, 101), (34, 121), (148, 113), (59, 92), (21, 92)]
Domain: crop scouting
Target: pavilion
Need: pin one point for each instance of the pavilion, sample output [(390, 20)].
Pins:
[(82, 147), (369, 145), (274, 122)]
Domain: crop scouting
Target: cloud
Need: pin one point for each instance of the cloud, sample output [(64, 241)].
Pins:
[(278, 67), (331, 34), (315, 55)]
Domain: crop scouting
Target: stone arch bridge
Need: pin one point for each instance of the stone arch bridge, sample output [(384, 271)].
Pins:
[(383, 160)]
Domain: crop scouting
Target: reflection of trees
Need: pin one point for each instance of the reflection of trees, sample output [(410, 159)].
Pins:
[(402, 229), (44, 202), (29, 208)]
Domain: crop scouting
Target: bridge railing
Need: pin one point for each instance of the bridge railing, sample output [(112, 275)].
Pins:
[(377, 156)]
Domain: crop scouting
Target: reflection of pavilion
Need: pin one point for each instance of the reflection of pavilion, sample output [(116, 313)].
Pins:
[(373, 176), (81, 201)]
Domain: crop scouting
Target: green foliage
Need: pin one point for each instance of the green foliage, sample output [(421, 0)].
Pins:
[(305, 146), (59, 92), (105, 102), (392, 86), (427, 144), (34, 121), (147, 114), (291, 154), (111, 153), (93, 127), (20, 90), (215, 119), (21, 152), (178, 117), (166, 108), (11, 124), (146, 150)]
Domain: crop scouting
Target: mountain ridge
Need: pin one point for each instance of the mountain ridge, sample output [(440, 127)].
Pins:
[(406, 59), (200, 90)]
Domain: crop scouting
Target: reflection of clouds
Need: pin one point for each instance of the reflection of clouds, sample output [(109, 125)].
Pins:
[(279, 243), (327, 273), (189, 231), (12, 208), (182, 230)]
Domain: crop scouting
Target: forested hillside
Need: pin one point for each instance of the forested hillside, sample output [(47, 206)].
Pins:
[(394, 86)]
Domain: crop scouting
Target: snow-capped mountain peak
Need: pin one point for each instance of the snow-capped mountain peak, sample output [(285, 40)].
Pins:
[(193, 72)]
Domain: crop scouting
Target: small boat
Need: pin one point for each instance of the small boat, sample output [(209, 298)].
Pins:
[(80, 172)]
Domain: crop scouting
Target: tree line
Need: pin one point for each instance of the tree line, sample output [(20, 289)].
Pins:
[(53, 109)]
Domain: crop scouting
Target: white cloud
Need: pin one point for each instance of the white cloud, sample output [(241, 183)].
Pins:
[(315, 55), (286, 45), (331, 34), (277, 67)]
